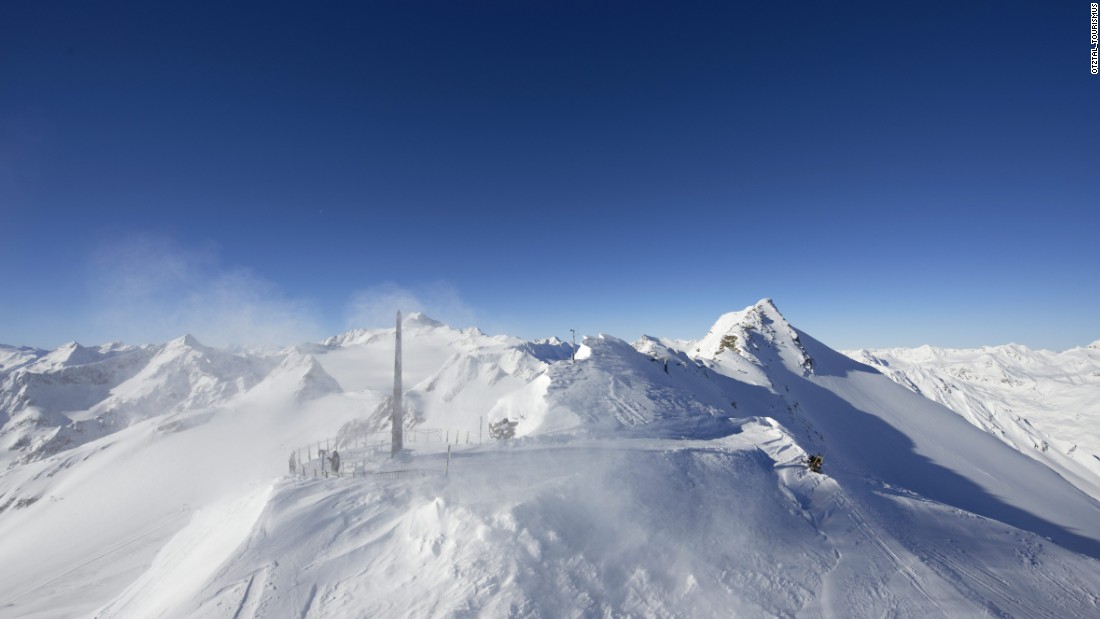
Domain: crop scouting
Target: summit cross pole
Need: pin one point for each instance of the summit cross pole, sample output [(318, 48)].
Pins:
[(573, 353)]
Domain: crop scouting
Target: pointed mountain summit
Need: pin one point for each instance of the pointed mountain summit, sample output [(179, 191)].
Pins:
[(420, 320), (186, 341), (300, 377), (67, 355), (759, 334)]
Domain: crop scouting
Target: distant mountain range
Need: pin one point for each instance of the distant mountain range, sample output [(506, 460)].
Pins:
[(654, 478), (1044, 404)]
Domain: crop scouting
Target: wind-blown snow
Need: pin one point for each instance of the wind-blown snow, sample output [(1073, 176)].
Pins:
[(661, 479)]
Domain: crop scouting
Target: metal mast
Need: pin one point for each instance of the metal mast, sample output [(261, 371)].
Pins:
[(398, 412)]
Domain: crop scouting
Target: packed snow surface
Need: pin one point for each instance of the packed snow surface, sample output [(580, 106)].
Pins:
[(656, 479)]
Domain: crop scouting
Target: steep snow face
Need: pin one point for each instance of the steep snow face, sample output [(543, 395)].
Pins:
[(184, 374), (868, 425), (37, 399), (756, 336), (298, 378), (69, 354), (1043, 404)]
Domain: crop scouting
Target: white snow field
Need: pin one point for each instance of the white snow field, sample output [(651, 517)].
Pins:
[(1044, 404), (655, 479)]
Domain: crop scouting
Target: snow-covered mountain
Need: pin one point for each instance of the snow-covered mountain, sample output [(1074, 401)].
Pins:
[(661, 478), (1044, 404), (74, 394)]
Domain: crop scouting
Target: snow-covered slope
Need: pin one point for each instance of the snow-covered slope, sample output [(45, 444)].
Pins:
[(74, 394), (869, 426), (14, 357), (623, 526), (660, 479), (1043, 404)]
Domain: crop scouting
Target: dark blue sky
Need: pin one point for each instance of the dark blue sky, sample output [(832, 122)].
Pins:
[(891, 174)]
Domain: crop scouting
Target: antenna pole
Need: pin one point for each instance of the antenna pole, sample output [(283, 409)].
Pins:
[(398, 412)]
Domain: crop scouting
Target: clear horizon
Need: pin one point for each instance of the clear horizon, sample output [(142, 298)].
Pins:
[(891, 176)]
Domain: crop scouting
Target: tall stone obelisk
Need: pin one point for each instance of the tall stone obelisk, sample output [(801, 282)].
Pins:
[(398, 412)]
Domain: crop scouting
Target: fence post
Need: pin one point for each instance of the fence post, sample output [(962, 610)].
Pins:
[(447, 471)]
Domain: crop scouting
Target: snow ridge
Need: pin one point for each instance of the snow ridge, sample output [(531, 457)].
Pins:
[(659, 478), (74, 395)]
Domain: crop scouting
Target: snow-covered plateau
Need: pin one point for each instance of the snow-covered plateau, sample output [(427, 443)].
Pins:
[(656, 479)]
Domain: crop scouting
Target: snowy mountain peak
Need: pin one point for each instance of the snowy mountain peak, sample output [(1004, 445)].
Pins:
[(652, 346), (299, 376), (354, 336), (758, 333), (68, 354), (767, 304), (473, 332), (186, 341), (419, 319)]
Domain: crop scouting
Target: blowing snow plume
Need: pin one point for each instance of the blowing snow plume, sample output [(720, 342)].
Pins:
[(375, 306), (148, 288)]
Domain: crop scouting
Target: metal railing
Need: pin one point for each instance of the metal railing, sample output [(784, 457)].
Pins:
[(363, 455)]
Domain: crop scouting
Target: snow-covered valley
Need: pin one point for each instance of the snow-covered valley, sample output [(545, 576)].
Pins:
[(653, 479)]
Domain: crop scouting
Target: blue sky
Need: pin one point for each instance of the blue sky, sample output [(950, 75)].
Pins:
[(891, 174)]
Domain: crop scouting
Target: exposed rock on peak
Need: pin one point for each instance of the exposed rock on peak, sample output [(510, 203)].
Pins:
[(758, 333)]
